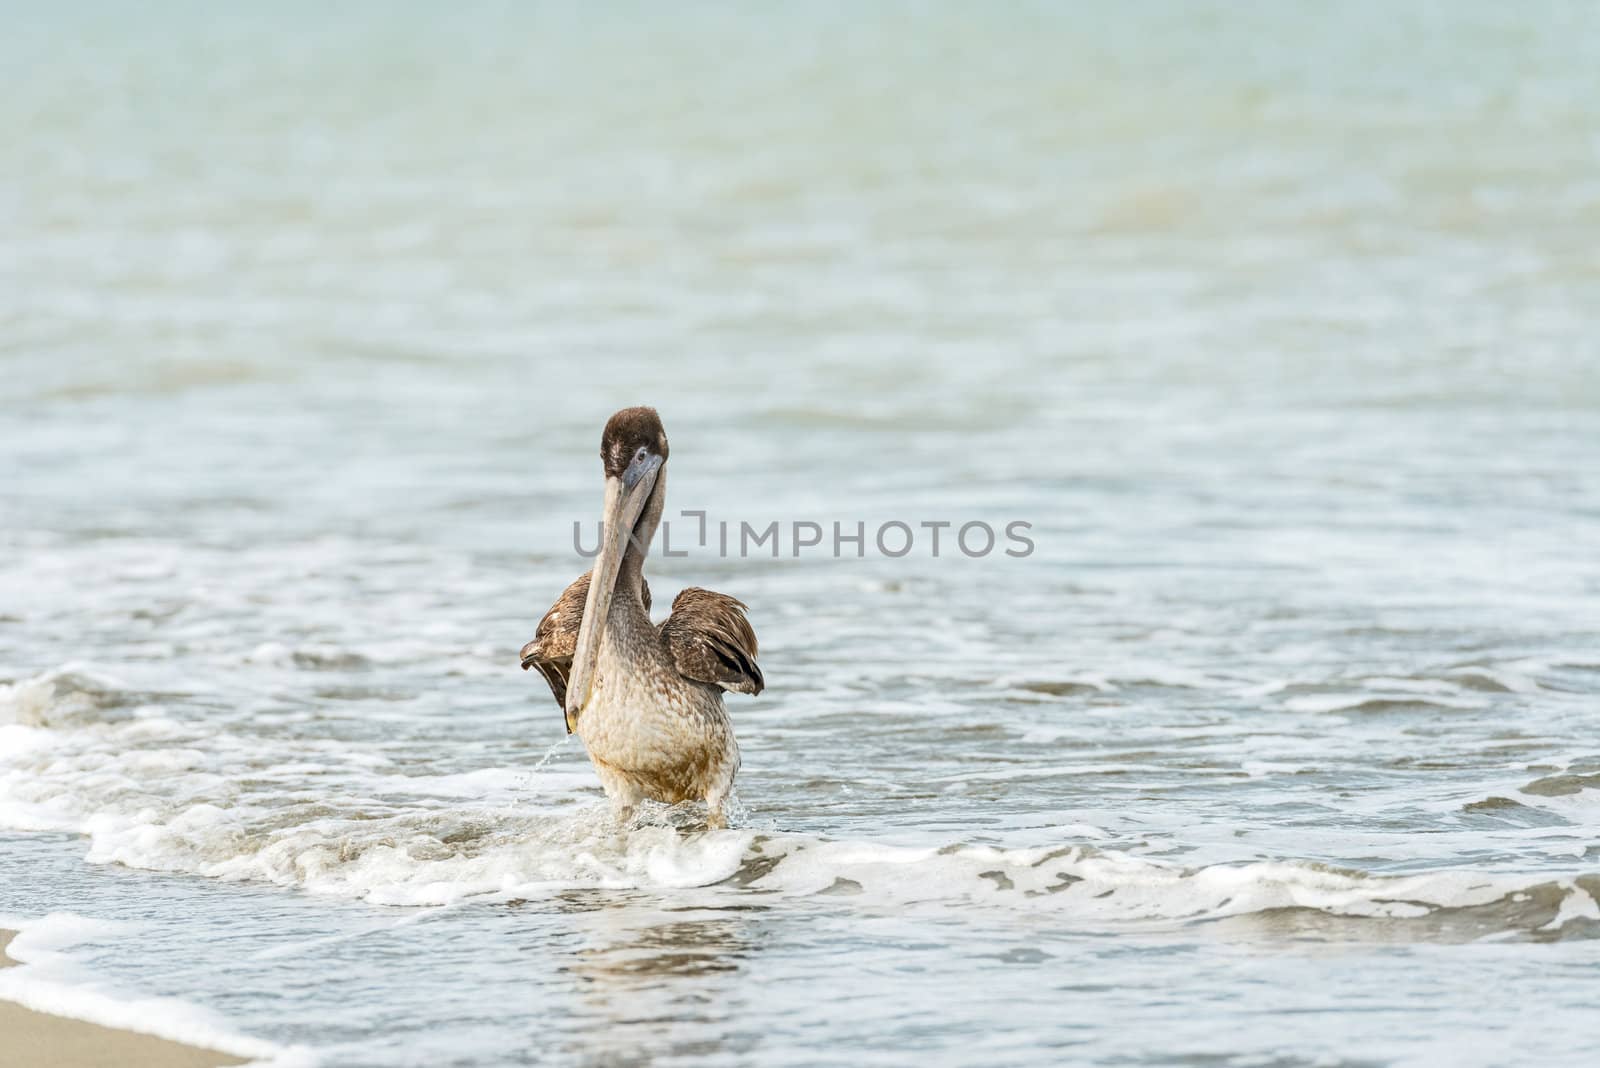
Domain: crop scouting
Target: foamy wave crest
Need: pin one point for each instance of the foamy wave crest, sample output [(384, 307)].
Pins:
[(162, 794), (1100, 887)]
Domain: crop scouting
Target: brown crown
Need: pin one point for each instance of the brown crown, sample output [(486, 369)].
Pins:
[(625, 432)]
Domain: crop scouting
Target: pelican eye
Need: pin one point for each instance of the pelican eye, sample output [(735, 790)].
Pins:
[(637, 467)]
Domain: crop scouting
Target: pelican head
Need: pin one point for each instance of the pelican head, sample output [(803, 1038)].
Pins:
[(633, 449)]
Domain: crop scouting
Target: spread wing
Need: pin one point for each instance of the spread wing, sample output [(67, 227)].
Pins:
[(710, 640), (557, 637)]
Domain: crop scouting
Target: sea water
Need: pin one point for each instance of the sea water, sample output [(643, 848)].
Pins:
[(1274, 325)]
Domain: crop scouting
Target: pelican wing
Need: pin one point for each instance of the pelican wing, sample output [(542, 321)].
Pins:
[(557, 637), (710, 640)]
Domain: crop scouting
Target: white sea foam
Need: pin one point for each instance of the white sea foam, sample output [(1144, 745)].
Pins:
[(155, 794), (151, 793), (49, 979)]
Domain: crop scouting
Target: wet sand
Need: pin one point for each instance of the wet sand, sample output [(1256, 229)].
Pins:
[(39, 1040)]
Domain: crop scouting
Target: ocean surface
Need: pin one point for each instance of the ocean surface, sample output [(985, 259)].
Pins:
[(1279, 325)]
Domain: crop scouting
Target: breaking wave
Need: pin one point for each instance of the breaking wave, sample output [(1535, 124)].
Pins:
[(79, 753)]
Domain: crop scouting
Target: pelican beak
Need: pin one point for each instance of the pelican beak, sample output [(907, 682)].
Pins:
[(625, 499)]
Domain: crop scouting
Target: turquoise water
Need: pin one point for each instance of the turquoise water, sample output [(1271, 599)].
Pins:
[(1276, 326)]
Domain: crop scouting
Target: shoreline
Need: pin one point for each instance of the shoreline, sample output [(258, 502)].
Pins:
[(43, 1040)]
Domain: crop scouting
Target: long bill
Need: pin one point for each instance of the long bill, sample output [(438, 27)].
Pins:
[(621, 511)]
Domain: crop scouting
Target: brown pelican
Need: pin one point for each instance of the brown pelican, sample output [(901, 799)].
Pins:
[(645, 699)]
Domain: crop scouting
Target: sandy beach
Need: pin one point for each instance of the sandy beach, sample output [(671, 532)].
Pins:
[(39, 1040)]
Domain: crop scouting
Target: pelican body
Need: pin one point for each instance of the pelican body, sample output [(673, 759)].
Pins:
[(646, 699)]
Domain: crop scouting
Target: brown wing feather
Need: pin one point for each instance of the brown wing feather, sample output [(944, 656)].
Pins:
[(556, 639), (710, 640)]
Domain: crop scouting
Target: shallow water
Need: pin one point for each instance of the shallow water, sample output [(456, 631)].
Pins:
[(1278, 328)]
